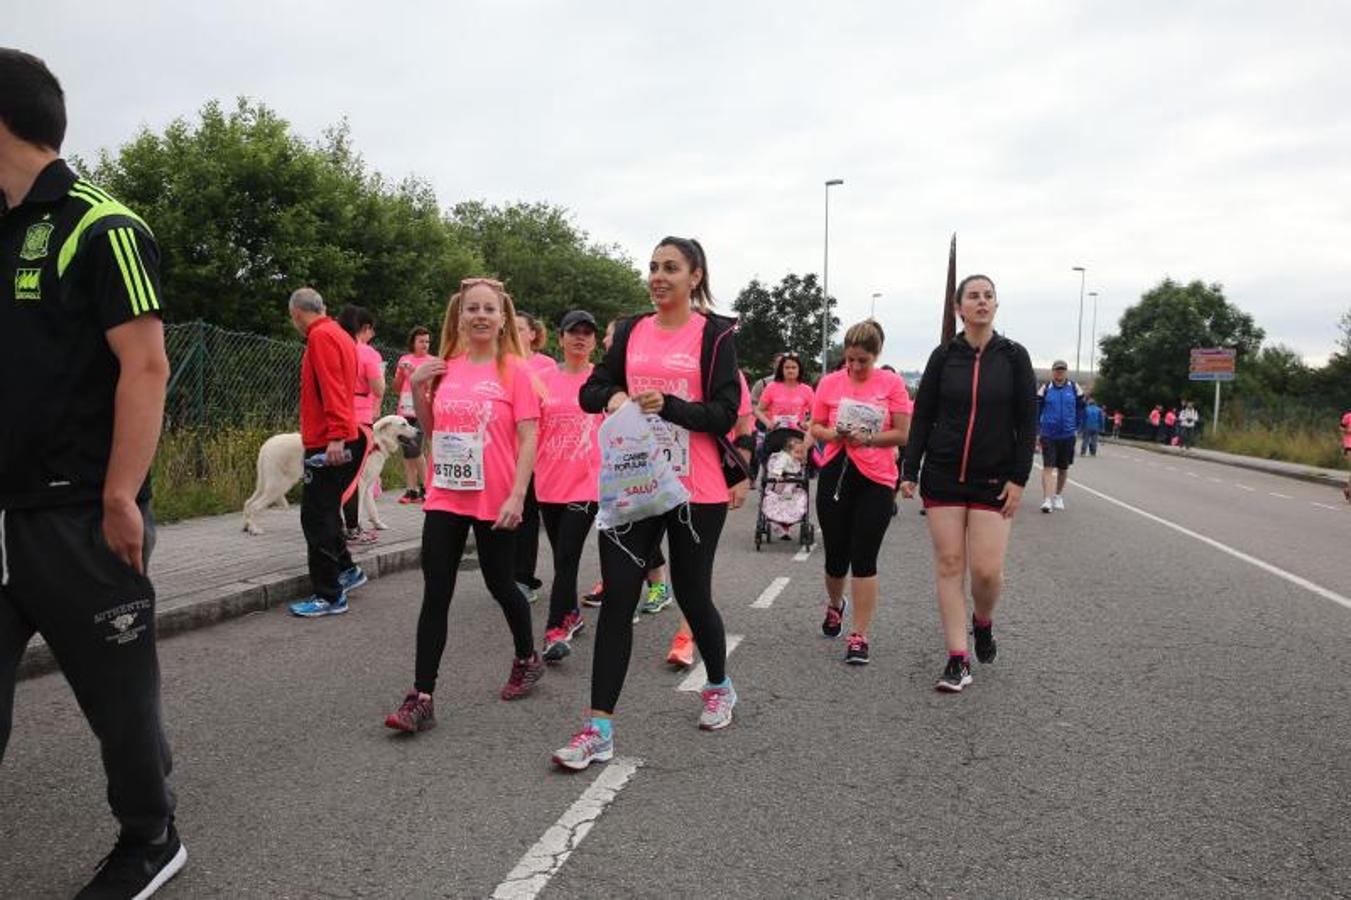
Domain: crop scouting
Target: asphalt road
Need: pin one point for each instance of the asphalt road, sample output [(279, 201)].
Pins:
[(1164, 719)]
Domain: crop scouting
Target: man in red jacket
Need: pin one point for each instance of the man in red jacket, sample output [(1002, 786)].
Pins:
[(334, 450)]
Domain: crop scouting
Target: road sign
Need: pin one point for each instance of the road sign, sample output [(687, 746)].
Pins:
[(1216, 364)]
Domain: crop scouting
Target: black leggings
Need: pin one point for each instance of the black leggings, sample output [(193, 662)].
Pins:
[(692, 577), (443, 538), (853, 526), (527, 540), (567, 525), (350, 510)]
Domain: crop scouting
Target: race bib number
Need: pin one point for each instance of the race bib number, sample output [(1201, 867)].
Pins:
[(457, 461), (785, 422), (673, 442), (859, 417), (406, 407)]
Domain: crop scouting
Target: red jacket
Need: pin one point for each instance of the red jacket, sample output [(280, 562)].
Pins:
[(328, 373)]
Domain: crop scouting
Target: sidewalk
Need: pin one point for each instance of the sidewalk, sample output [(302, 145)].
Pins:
[(1327, 477), (206, 570)]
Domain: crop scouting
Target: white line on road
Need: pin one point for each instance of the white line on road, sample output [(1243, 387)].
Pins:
[(1243, 486), (1217, 480), (1192, 475), (1282, 496), (801, 555), (766, 598), (699, 675), (1171, 468), (1265, 566), (1325, 506), (543, 861)]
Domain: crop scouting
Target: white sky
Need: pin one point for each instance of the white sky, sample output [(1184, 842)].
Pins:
[(1197, 140)]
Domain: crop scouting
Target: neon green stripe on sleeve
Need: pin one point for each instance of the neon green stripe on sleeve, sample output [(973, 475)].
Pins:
[(141, 269), (128, 248), (126, 271)]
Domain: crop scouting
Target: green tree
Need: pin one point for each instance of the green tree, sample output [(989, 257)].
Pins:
[(1146, 361), (786, 317)]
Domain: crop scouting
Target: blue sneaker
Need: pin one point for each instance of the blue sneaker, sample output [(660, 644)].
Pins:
[(315, 606), (352, 579)]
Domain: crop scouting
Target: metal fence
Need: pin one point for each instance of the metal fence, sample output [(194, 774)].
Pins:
[(222, 378)]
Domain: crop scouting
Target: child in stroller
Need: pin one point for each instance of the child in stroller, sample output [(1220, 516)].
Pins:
[(784, 488)]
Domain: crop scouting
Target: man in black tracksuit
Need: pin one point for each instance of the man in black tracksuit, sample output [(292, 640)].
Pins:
[(84, 372)]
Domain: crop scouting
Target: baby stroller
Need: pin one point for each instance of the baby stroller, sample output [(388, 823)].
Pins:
[(785, 491)]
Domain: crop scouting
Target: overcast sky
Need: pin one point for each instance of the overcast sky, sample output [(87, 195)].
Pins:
[(1197, 140)]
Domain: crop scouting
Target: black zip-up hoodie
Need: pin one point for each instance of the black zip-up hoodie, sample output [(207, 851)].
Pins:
[(718, 367), (975, 415)]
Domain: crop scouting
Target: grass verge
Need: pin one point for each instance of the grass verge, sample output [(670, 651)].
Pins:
[(1308, 446)]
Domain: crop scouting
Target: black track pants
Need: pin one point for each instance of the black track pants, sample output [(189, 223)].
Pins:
[(321, 519), (567, 525)]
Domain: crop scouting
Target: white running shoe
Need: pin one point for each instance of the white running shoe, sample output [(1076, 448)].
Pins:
[(1046, 505), (1058, 502)]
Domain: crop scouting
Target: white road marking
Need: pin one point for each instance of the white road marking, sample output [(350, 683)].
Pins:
[(767, 596), (1171, 468), (1217, 480), (1325, 506), (1282, 496), (699, 675), (544, 860), (1297, 580), (801, 555), (1243, 486), (1192, 475)]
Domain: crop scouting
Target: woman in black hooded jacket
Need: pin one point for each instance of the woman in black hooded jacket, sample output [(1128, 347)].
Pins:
[(974, 428)]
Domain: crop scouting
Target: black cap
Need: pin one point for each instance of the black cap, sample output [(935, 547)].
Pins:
[(578, 317)]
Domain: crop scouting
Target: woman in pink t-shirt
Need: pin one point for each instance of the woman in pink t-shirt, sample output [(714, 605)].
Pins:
[(366, 396), (679, 363), (1346, 451), (786, 401), (533, 336), (862, 413), (480, 407), (419, 342), (567, 476)]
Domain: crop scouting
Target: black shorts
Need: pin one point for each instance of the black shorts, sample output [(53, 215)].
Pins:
[(941, 488), (412, 447), (1057, 453)]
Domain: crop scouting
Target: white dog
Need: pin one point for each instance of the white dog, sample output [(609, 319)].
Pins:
[(281, 462)]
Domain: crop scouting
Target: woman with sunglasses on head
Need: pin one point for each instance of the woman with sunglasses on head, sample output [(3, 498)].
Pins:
[(567, 476), (480, 406), (679, 363), (862, 413), (975, 429), (787, 400)]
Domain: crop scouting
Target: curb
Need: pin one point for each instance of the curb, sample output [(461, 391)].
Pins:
[(219, 603), (1309, 474)]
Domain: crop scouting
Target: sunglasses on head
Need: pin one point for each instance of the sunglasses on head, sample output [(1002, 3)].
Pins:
[(470, 282)]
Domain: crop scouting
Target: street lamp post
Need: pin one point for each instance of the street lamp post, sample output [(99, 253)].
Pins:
[(872, 310), (1093, 342), (1079, 338), (825, 282)]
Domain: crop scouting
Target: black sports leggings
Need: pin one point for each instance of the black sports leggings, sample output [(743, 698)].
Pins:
[(567, 525), (853, 526), (692, 578), (443, 538), (527, 540)]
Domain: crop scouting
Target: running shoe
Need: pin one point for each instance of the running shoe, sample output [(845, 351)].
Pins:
[(409, 496), (587, 746), (658, 598), (1046, 505), (986, 648), (718, 703), (956, 675), (135, 869), (315, 606), (558, 641), (352, 579), (682, 651), (834, 621), (530, 594), (856, 650), (525, 673), (416, 713), (1058, 502), (596, 597), (357, 536)]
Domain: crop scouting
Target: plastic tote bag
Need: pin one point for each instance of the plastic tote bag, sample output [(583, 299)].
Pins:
[(636, 479)]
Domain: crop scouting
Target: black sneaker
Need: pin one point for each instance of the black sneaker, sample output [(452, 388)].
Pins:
[(136, 870), (956, 675), (986, 648), (856, 650), (596, 597), (834, 621)]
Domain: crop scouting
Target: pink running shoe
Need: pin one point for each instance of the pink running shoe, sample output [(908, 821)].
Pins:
[(587, 746), (558, 641), (525, 673), (414, 715)]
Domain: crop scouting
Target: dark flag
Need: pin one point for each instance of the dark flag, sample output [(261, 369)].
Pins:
[(949, 296)]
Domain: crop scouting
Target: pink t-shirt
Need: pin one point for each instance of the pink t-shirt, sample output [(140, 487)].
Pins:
[(541, 363), (883, 391), (1346, 432), (779, 401), (567, 468), (405, 404), (668, 361), (369, 365), (473, 439)]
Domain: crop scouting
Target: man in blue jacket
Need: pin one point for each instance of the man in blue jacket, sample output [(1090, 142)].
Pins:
[(1093, 422), (1060, 407)]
